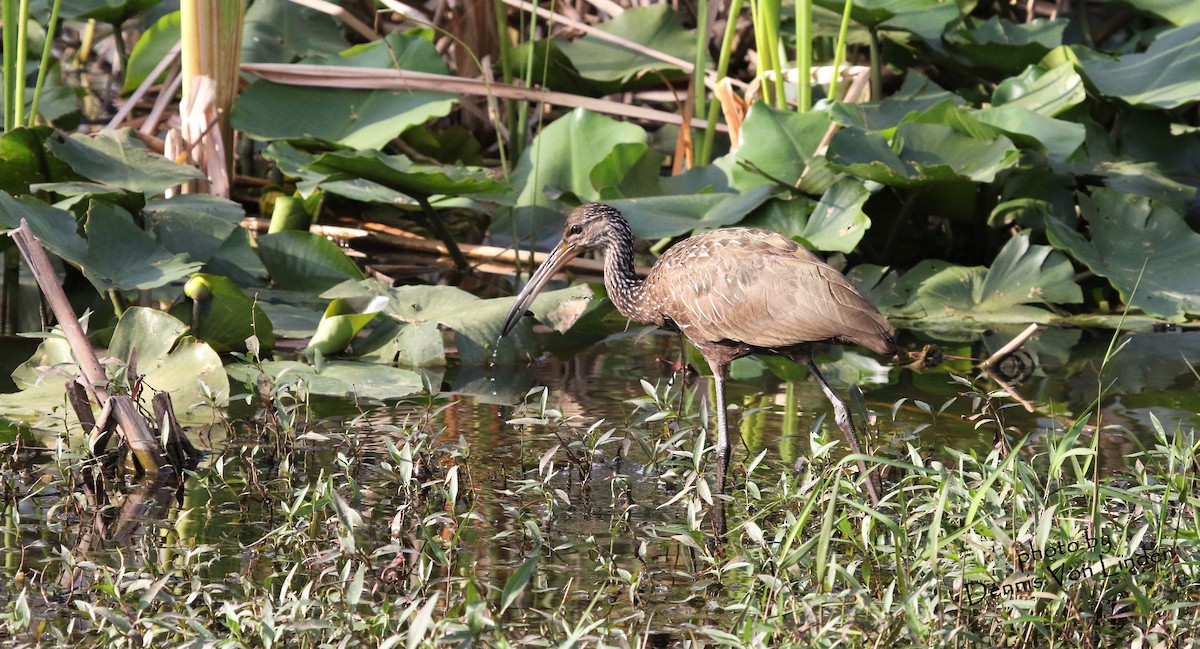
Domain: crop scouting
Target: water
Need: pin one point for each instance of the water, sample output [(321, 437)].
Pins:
[(495, 491)]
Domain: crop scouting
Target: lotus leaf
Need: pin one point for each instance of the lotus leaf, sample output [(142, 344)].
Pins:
[(118, 159), (1166, 75), (359, 381), (278, 31), (355, 118), (1144, 248), (305, 261), (944, 295)]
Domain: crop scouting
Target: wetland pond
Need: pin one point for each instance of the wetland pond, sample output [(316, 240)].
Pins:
[(575, 515)]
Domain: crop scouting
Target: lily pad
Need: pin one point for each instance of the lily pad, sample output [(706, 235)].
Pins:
[(656, 217), (194, 224), (337, 378), (24, 161), (117, 158), (1166, 75), (162, 354), (304, 261), (366, 119), (399, 173), (1144, 248), (1044, 91), (278, 31), (1005, 45), (944, 295), (656, 26), (777, 146), (123, 256)]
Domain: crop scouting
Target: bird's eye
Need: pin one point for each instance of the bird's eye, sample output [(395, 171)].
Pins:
[(574, 229)]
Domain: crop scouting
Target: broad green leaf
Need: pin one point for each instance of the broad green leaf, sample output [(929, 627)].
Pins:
[(55, 228), (777, 146), (949, 296), (656, 26), (1144, 248), (366, 119), (337, 378), (1058, 139), (917, 95), (1001, 44), (1046, 92), (169, 360), (926, 18), (151, 48), (24, 161), (1166, 75), (278, 31), (156, 344), (305, 261), (117, 158), (123, 256), (838, 223), (223, 316), (194, 224), (410, 344), (1180, 12), (113, 12), (476, 322), (343, 319), (399, 173), (657, 217), (560, 160), (925, 152)]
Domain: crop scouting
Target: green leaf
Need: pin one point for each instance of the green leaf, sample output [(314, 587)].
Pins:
[(1166, 75), (517, 581), (278, 31), (917, 95), (169, 360), (1136, 243), (1180, 12), (942, 144), (366, 119), (152, 47), (561, 160), (338, 378), (926, 18), (657, 217), (1058, 139), (1001, 44), (305, 261), (343, 319), (223, 316), (55, 228), (398, 173), (117, 158), (194, 224), (123, 256), (1045, 92), (24, 161), (838, 223), (944, 295), (656, 26), (113, 12), (777, 146)]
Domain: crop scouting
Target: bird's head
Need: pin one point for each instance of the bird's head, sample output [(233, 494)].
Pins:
[(589, 227)]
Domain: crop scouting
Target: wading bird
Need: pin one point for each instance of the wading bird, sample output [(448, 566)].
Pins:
[(732, 292)]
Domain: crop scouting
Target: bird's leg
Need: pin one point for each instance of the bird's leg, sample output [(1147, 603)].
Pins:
[(724, 447), (841, 414)]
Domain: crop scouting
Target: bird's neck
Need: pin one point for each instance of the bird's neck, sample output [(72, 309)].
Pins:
[(620, 278)]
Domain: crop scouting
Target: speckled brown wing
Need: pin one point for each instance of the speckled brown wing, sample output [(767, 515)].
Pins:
[(762, 289)]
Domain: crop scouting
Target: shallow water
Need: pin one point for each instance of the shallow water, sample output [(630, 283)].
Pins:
[(511, 495)]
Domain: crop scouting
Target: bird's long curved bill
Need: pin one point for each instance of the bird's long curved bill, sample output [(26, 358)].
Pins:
[(562, 253)]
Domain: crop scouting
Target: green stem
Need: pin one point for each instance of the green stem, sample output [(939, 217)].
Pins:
[(839, 51), (735, 8), (698, 71), (44, 64), (876, 76), (119, 43), (804, 55), (439, 228), (22, 57), (11, 75)]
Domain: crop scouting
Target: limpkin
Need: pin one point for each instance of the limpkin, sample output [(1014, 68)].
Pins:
[(732, 292)]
